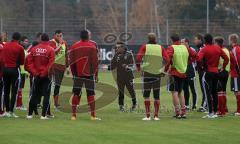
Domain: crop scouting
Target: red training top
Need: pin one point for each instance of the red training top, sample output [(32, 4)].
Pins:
[(235, 61), (13, 54), (212, 54), (40, 59), (83, 59)]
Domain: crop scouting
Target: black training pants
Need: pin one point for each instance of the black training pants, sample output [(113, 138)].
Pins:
[(128, 83), (190, 83), (40, 87), (204, 102), (210, 81), (1, 96), (11, 79)]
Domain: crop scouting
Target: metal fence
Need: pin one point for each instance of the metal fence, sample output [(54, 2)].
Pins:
[(101, 28)]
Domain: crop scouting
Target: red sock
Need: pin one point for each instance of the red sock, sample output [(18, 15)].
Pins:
[(177, 111), (147, 107), (238, 103), (19, 99), (225, 103), (55, 100), (75, 102), (183, 110), (156, 107), (220, 103), (91, 103)]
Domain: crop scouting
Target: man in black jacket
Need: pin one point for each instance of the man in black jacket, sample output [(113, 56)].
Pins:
[(189, 82), (123, 61), (198, 41)]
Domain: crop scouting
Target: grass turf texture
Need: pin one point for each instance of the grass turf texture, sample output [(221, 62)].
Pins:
[(117, 127)]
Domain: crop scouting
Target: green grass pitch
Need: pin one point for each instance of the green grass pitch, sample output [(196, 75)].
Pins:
[(121, 128)]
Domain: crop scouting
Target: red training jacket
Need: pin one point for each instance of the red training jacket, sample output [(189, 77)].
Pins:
[(212, 54), (234, 68), (40, 59), (83, 59), (13, 54)]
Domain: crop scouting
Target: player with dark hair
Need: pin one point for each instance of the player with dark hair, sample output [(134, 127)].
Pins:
[(13, 57), (19, 104), (212, 53), (179, 55), (190, 81), (34, 43), (61, 63), (153, 58), (199, 43), (40, 61), (83, 56)]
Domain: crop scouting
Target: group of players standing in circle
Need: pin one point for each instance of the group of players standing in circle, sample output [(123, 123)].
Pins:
[(47, 60)]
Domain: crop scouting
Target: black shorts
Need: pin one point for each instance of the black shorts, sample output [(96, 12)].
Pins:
[(22, 81), (176, 84), (235, 84), (222, 81), (151, 81), (87, 81)]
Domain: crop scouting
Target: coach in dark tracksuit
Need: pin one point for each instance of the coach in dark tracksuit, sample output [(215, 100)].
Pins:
[(123, 61), (13, 57), (40, 60)]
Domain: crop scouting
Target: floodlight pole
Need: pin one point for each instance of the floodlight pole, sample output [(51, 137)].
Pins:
[(1, 24), (126, 20), (43, 17), (157, 20), (207, 27)]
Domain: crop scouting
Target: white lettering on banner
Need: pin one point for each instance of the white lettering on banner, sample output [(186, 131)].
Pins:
[(105, 55), (41, 50)]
